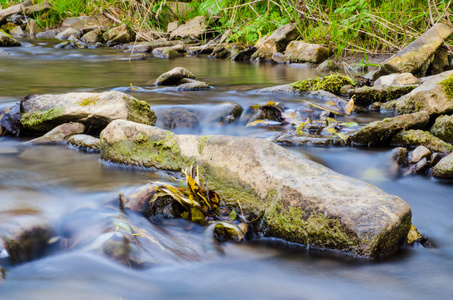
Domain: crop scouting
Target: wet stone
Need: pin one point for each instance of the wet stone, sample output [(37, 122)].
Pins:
[(435, 158), (177, 118), (399, 154), (418, 154), (421, 166)]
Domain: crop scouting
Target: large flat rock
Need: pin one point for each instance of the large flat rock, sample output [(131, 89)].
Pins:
[(302, 201), (41, 113)]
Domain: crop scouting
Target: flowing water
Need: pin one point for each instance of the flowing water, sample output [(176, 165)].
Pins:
[(72, 192)]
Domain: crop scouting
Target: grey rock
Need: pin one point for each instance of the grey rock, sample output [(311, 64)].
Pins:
[(7, 41), (33, 27), (85, 142), (177, 48), (418, 154), (303, 201), (41, 113), (435, 158), (366, 95), (399, 154), (421, 166), (429, 97), (298, 51), (244, 54), (177, 118), (327, 66), (60, 134), (443, 128), (10, 120), (440, 62), (92, 37), (380, 132), (68, 33), (276, 42), (174, 76), (172, 26), (119, 35), (169, 54), (421, 138), (279, 58), (227, 113), (49, 34), (292, 138), (444, 168), (17, 31), (194, 28), (416, 57), (397, 79), (83, 23), (192, 85)]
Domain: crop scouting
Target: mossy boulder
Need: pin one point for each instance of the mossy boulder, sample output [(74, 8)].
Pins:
[(421, 138), (434, 96), (369, 94), (444, 168), (298, 51), (328, 66), (417, 57), (276, 42), (41, 113), (302, 201), (8, 41), (443, 128), (380, 132)]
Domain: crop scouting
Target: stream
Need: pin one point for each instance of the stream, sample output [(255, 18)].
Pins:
[(70, 189)]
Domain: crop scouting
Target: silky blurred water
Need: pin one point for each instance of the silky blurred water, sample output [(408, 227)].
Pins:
[(72, 191)]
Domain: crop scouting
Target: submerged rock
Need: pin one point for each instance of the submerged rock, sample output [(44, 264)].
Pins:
[(227, 113), (85, 142), (443, 128), (292, 138), (417, 57), (421, 138), (177, 118), (41, 113), (60, 134), (174, 76), (269, 111), (276, 42), (444, 168), (399, 154), (302, 201), (431, 97), (298, 51), (380, 132)]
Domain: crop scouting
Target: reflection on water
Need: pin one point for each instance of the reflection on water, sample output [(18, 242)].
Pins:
[(73, 193)]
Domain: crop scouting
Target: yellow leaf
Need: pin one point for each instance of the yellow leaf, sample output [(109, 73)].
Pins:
[(349, 107), (132, 88), (323, 108), (341, 136), (331, 130), (257, 122), (300, 128)]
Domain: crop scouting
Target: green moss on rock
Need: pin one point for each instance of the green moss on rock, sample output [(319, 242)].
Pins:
[(331, 83), (143, 151), (41, 120), (447, 86), (140, 112), (421, 138)]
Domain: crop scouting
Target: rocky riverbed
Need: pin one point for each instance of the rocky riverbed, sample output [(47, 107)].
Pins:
[(279, 194)]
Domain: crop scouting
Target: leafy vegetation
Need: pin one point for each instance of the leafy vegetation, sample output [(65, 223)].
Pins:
[(343, 25)]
